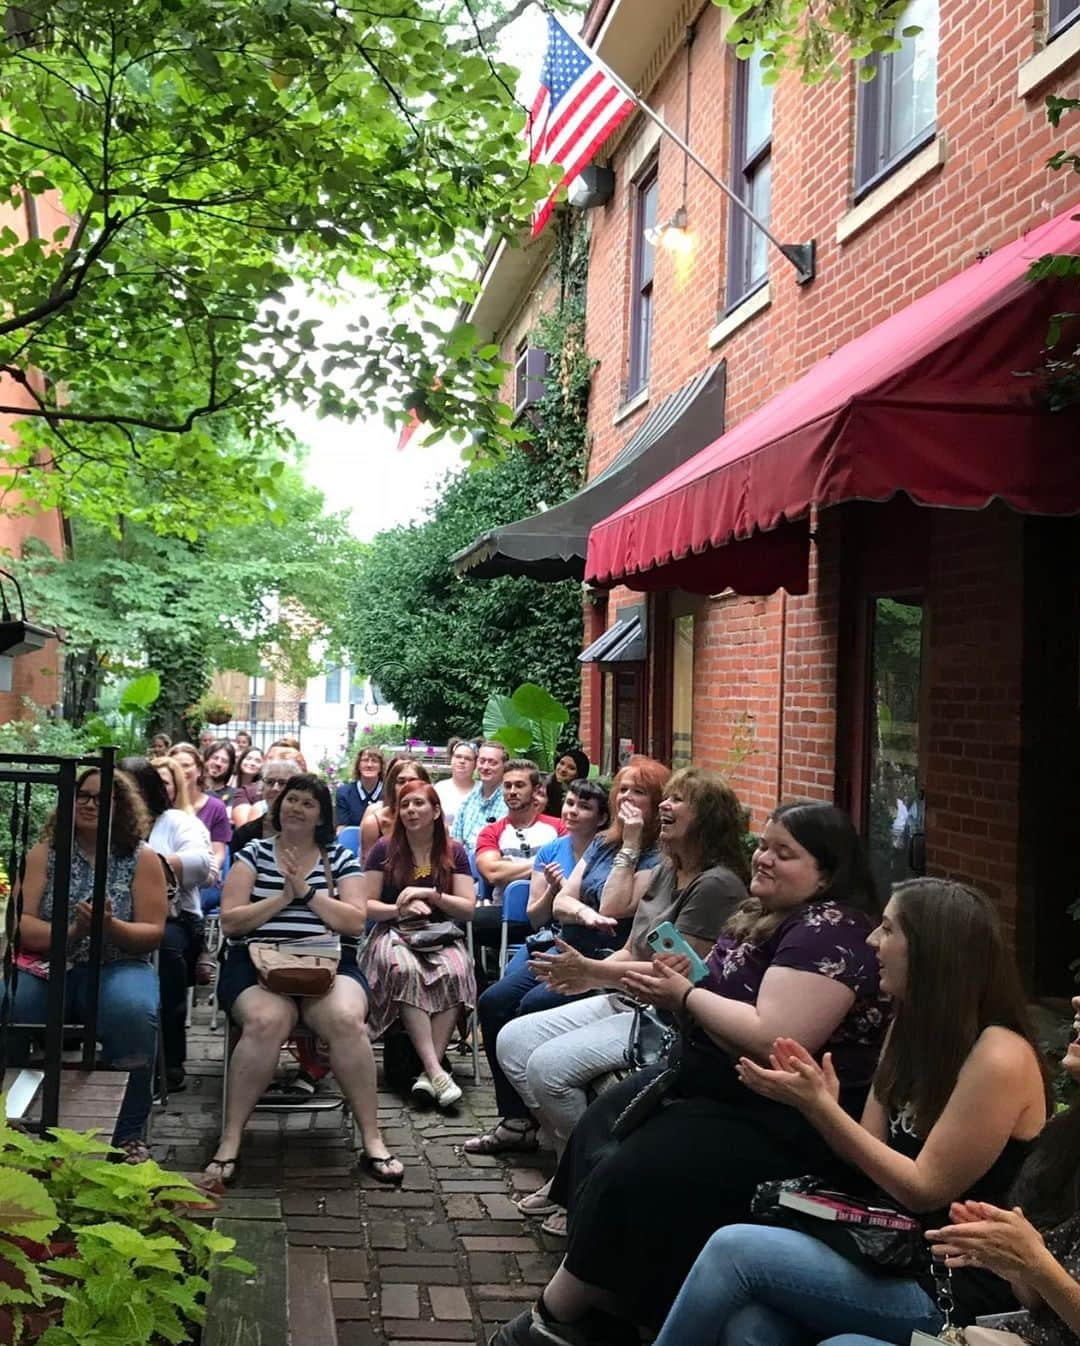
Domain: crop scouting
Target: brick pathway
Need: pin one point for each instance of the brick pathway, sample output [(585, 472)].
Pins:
[(443, 1259)]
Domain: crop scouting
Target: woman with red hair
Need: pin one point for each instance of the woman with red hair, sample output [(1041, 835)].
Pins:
[(416, 881)]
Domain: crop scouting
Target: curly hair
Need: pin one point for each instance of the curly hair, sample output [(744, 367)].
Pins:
[(719, 818), (130, 817)]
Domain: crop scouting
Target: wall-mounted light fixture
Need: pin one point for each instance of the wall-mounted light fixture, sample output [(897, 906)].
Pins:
[(671, 236), (17, 635)]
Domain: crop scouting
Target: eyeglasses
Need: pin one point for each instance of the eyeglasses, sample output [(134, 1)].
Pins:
[(526, 849), (91, 801)]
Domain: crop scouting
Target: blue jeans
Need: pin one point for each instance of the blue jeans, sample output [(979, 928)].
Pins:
[(126, 1028), (756, 1286), (517, 992)]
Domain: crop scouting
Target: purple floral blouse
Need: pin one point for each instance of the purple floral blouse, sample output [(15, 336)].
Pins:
[(830, 940)]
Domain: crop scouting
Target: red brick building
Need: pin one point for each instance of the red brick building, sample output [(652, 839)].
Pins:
[(927, 678)]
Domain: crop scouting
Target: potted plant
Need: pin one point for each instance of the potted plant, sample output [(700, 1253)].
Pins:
[(210, 709)]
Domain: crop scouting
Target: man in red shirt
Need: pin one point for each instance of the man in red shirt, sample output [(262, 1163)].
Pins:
[(505, 849)]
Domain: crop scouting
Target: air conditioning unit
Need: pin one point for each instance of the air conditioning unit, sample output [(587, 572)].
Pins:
[(530, 378)]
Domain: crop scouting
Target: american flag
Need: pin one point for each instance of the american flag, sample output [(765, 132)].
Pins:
[(576, 108)]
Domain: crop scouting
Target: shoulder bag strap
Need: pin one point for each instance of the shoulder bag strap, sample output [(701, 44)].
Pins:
[(329, 875)]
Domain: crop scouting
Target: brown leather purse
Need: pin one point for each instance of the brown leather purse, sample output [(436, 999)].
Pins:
[(286, 971)]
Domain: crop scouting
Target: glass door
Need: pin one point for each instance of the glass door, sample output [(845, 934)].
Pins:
[(894, 804)]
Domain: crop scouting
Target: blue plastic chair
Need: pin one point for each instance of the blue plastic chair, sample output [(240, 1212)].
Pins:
[(210, 894), (484, 890), (515, 911), (349, 837)]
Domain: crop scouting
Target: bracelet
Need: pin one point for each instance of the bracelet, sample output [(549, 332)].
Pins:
[(631, 853), (311, 893), (686, 997)]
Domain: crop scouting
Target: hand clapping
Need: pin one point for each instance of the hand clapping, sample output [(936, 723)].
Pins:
[(664, 987), (795, 1077), (981, 1235), (564, 972)]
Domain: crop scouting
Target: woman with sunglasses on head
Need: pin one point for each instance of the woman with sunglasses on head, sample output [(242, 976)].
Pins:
[(134, 923), (276, 771), (415, 878), (183, 843), (957, 1099), (297, 884), (379, 819)]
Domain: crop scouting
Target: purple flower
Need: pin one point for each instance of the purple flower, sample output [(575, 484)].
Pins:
[(430, 750), (413, 742)]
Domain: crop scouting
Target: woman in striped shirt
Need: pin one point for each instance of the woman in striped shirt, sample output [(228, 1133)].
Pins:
[(296, 884)]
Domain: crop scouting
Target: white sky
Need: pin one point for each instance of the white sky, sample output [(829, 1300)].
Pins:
[(357, 466)]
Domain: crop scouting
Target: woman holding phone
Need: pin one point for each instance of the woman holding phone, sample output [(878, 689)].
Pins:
[(793, 959), (551, 1058)]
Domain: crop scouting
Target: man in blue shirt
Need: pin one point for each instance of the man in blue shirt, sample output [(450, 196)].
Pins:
[(485, 804)]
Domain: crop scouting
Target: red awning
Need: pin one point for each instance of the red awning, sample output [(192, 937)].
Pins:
[(928, 402)]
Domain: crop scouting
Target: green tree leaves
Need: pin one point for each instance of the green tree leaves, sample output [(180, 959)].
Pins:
[(206, 156)]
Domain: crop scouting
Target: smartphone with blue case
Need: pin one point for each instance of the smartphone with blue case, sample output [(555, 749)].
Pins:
[(666, 939)]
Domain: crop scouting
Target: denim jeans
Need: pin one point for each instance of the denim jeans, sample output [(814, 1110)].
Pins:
[(516, 993), (126, 1028), (756, 1286), (552, 1058)]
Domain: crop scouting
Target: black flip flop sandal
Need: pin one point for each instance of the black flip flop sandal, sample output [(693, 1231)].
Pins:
[(375, 1166)]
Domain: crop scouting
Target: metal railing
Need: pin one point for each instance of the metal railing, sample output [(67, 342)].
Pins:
[(20, 774)]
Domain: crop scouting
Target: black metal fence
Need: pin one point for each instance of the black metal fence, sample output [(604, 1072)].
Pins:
[(26, 781)]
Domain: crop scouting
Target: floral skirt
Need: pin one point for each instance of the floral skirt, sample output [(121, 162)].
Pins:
[(435, 980)]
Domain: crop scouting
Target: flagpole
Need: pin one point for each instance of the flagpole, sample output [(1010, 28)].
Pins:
[(800, 255)]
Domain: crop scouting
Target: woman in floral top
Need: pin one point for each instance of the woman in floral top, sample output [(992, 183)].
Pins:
[(793, 962)]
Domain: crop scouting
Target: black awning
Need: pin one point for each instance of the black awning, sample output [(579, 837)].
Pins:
[(552, 545), (623, 643)]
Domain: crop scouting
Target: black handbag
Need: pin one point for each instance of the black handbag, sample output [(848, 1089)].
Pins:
[(651, 1038), (872, 1233)]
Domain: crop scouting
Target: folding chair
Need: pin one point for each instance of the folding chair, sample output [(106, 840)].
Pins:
[(317, 1102), (515, 911), (349, 837), (474, 1022)]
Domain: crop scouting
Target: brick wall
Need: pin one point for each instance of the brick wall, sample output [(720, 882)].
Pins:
[(973, 669), (992, 186)]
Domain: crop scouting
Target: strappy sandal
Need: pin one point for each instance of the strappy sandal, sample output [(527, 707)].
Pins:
[(135, 1151), (522, 1137), (225, 1175), (376, 1166)]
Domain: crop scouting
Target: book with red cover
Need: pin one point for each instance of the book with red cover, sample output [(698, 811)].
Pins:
[(835, 1206)]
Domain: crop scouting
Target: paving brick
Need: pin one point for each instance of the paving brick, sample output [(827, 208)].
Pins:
[(400, 1301), (359, 1334), (505, 1243), (348, 1266), (405, 1329), (388, 1234), (450, 1302), (437, 1237), (409, 1258), (430, 1275), (463, 1208), (500, 1207), (349, 1290)]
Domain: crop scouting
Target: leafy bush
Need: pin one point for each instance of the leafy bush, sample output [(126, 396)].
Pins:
[(528, 723), (93, 1252), (36, 734), (124, 715)]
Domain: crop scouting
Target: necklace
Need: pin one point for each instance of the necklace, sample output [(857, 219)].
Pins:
[(422, 868)]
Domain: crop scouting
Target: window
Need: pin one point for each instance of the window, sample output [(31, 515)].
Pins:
[(333, 687), (897, 111), (641, 299), (682, 691), (1062, 14), (751, 151)]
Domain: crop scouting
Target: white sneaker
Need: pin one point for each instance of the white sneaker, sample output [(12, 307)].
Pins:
[(443, 1089), (422, 1088)]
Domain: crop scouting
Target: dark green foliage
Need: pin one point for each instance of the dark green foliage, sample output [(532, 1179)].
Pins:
[(439, 646)]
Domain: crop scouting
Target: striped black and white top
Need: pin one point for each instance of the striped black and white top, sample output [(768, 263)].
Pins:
[(297, 920)]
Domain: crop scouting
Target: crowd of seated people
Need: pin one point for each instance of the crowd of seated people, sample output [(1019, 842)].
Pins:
[(802, 1024)]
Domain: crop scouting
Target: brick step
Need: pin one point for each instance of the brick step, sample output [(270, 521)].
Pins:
[(311, 1304), (252, 1309)]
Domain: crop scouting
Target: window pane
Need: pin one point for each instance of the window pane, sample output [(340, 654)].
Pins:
[(1062, 13), (682, 691), (644, 338), (895, 811), (913, 71), (759, 98), (759, 196), (647, 221), (333, 687)]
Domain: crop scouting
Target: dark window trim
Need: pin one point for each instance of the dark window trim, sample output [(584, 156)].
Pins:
[(637, 370), (1062, 14), (909, 151), (746, 163), (873, 110)]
